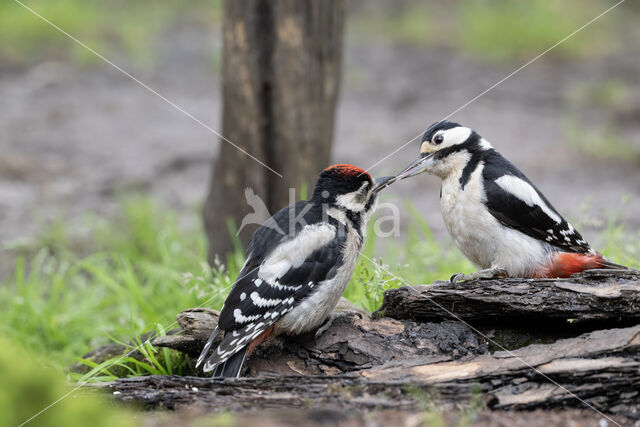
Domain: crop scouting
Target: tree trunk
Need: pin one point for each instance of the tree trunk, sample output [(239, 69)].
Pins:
[(281, 75)]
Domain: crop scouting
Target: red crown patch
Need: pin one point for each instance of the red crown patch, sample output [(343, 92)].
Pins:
[(347, 170)]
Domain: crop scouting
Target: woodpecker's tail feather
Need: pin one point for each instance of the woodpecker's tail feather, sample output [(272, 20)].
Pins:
[(612, 265), (564, 264), (207, 347), (232, 367)]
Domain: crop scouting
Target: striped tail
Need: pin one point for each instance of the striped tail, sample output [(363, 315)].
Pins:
[(564, 264), (232, 367), (207, 347), (220, 362)]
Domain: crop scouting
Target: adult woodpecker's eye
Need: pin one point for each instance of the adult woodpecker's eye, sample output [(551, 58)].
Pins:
[(438, 139)]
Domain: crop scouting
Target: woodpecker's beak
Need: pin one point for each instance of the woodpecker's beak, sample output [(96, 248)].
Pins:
[(382, 183), (417, 167)]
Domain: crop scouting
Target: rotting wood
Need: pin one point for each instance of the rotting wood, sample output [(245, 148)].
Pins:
[(592, 296), (600, 368), (354, 341), (361, 363)]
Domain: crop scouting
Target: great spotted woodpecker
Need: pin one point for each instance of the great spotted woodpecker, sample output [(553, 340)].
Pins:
[(499, 220), (298, 265)]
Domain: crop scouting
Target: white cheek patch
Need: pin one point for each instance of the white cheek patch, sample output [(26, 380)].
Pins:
[(455, 136), (354, 201), (452, 165), (351, 201), (452, 137), (525, 192)]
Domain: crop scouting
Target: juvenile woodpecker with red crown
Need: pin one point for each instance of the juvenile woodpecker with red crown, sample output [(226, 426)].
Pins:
[(298, 265), (499, 220)]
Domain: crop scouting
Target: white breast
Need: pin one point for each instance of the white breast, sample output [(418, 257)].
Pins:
[(314, 310), (480, 237)]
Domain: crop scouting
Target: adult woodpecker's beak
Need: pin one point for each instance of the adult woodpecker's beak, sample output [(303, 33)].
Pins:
[(417, 167), (382, 183)]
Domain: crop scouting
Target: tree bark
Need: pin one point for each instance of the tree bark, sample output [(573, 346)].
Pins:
[(595, 295), (281, 73), (600, 368), (352, 342), (360, 363)]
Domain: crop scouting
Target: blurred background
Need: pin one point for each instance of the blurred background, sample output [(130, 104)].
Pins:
[(103, 184)]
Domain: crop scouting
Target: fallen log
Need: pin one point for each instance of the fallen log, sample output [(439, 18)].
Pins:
[(354, 341), (600, 369), (417, 352), (602, 297)]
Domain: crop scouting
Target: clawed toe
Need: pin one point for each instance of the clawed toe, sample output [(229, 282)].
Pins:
[(458, 277), (335, 315), (500, 272), (481, 274), (322, 329)]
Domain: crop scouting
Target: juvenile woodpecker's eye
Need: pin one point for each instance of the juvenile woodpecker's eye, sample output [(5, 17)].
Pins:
[(438, 139)]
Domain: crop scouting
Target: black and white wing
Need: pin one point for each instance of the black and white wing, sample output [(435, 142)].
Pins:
[(516, 203), (276, 277)]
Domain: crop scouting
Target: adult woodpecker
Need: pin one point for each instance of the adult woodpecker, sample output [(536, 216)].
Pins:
[(499, 220), (298, 265)]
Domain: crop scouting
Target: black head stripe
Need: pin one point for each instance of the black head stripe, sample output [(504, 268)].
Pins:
[(436, 127), (447, 151), (477, 154)]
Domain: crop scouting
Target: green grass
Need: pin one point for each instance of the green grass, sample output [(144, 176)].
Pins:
[(489, 29), (28, 387), (494, 29), (417, 260), (602, 142), (501, 29), (138, 270), (141, 271), (113, 28), (410, 24), (595, 130), (151, 361)]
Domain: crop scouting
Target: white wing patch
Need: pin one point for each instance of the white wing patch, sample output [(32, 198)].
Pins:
[(292, 253), (525, 192)]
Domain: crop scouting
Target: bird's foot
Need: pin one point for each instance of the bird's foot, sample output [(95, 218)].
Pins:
[(335, 315), (489, 273)]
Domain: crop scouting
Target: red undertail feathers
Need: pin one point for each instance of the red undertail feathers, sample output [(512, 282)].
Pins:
[(564, 264)]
